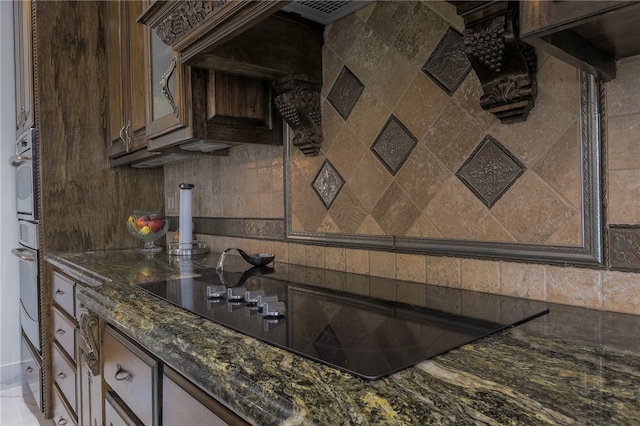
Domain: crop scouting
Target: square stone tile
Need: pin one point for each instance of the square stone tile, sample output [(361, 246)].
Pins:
[(448, 65), (624, 248), (422, 176), (395, 212), (420, 33), (347, 211)]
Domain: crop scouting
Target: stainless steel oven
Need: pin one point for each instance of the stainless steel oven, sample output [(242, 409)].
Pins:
[(27, 251), (27, 254), (23, 162)]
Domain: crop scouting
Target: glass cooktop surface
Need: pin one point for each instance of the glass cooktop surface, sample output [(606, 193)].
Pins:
[(368, 337)]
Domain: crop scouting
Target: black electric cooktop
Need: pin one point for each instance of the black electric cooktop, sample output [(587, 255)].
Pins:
[(368, 337)]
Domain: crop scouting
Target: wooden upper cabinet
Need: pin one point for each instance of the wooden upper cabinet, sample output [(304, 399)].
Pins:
[(168, 104), (125, 41), (23, 50), (251, 68)]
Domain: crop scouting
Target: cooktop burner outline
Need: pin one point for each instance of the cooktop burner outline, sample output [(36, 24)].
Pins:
[(370, 338)]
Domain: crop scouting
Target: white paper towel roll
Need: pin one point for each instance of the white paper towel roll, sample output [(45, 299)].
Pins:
[(186, 217)]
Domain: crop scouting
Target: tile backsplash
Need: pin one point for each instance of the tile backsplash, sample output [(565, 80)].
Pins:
[(418, 169), (378, 54)]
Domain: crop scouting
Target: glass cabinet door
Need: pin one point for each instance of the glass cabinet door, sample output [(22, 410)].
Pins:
[(167, 108), (163, 70)]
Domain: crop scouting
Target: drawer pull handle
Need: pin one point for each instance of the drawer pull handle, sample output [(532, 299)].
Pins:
[(62, 422), (60, 332), (122, 374), (59, 292), (61, 376), (29, 369)]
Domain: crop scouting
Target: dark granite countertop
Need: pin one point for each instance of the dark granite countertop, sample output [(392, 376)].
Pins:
[(572, 366)]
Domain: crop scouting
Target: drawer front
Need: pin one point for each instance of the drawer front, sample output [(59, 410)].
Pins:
[(117, 415), (64, 375), (61, 412), (64, 332), (32, 373), (62, 293), (180, 407), (132, 374)]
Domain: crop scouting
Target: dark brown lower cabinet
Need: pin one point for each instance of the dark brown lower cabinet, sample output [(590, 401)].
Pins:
[(183, 403), (141, 390), (103, 377), (132, 373)]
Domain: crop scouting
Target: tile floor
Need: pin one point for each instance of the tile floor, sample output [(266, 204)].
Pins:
[(17, 409)]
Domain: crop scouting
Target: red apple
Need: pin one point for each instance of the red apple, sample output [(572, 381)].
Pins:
[(156, 224), (142, 221)]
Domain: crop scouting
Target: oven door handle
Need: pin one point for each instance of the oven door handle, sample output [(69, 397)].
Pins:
[(24, 254), (16, 160)]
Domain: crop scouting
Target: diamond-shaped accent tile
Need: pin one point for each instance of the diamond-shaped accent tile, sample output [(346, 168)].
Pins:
[(448, 65), (345, 92), (393, 145), (490, 171), (328, 183)]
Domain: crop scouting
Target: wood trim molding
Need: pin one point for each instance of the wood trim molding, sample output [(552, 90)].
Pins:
[(90, 333), (191, 26)]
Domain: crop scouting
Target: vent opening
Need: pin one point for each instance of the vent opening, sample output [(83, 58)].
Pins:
[(323, 11)]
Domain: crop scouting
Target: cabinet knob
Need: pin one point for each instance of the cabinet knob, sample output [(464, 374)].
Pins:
[(62, 422), (60, 332), (29, 369), (61, 376), (59, 292), (122, 374)]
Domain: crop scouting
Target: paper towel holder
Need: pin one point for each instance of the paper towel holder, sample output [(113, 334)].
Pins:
[(186, 246)]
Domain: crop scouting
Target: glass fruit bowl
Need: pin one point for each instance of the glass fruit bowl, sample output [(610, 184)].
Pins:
[(147, 226)]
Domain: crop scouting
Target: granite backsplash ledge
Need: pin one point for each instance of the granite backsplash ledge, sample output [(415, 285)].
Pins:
[(380, 53)]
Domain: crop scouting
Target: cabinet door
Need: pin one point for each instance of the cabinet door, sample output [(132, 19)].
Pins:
[(23, 51), (115, 46), (89, 394), (125, 42), (168, 103), (136, 75)]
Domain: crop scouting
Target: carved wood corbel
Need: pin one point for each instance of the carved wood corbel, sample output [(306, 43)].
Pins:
[(90, 333), (505, 65), (298, 101)]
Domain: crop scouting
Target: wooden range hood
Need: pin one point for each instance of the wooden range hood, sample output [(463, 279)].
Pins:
[(256, 39), (251, 39)]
